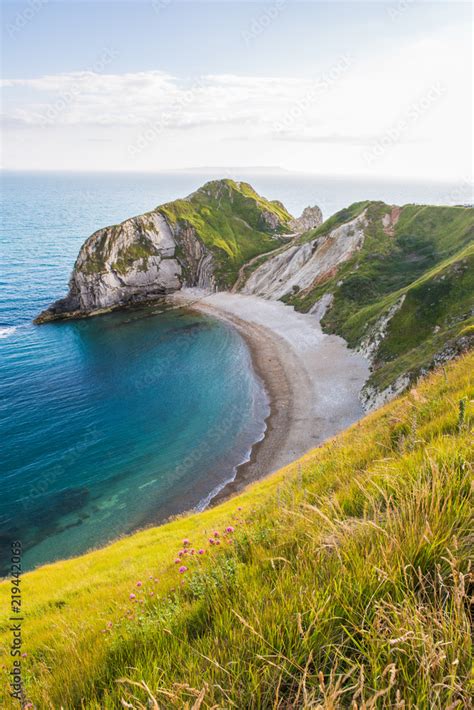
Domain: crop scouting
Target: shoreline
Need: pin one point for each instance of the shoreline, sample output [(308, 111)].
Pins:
[(292, 357), (265, 454), (312, 382)]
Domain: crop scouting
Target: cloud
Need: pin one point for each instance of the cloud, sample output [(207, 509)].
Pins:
[(330, 119), (332, 138), (136, 99)]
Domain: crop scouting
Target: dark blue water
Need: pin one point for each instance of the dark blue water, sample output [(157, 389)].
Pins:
[(111, 423)]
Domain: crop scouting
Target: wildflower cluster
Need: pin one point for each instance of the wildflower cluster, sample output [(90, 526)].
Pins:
[(183, 560)]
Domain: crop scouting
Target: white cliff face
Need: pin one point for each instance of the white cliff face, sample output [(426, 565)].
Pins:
[(372, 398), (301, 267), (136, 261), (129, 262), (321, 306)]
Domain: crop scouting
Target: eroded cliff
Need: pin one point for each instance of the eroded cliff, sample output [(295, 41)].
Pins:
[(202, 240)]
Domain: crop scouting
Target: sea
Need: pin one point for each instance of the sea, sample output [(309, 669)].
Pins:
[(117, 422)]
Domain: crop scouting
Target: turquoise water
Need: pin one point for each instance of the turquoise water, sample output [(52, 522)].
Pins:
[(116, 422), (119, 421)]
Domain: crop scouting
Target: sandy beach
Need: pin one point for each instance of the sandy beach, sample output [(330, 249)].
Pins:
[(312, 379)]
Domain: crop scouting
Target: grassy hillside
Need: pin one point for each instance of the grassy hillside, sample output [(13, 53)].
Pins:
[(427, 257), (340, 581), (233, 221)]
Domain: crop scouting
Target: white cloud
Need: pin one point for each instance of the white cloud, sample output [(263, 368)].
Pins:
[(324, 122), (135, 99)]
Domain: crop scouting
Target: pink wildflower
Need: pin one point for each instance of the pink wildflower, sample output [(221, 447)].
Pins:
[(229, 529), (183, 569), (177, 561), (216, 534), (200, 552), (185, 542), (212, 541), (139, 584), (132, 596), (218, 542)]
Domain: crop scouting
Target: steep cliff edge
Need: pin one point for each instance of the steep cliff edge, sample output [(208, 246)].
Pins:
[(396, 282), (202, 240), (302, 266)]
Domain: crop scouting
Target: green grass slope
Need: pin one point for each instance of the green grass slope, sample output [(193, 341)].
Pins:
[(427, 258), (341, 581), (233, 221)]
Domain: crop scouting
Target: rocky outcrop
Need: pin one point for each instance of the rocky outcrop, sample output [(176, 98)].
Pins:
[(322, 306), (390, 219), (372, 398), (133, 262), (311, 218), (302, 266), (372, 340)]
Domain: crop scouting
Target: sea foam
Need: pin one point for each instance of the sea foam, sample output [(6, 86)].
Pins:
[(5, 332)]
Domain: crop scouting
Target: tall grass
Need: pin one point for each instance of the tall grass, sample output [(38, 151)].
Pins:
[(342, 581)]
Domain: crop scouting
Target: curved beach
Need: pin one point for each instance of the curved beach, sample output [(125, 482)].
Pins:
[(313, 380)]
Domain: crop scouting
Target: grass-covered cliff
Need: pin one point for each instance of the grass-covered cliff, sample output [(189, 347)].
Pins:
[(340, 581), (201, 240), (407, 295), (233, 221)]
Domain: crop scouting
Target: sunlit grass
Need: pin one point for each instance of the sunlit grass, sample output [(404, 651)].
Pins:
[(343, 582)]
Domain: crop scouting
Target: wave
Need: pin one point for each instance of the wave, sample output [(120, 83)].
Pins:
[(5, 332), (206, 501)]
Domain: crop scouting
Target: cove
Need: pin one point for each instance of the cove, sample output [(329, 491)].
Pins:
[(117, 422)]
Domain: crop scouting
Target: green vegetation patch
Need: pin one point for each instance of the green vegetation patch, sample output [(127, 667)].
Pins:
[(427, 259), (229, 218), (340, 581)]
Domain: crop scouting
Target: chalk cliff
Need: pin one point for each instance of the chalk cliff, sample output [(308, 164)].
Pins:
[(302, 266), (202, 240), (395, 282)]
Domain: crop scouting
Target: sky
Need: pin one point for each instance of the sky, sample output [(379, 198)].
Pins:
[(345, 88)]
